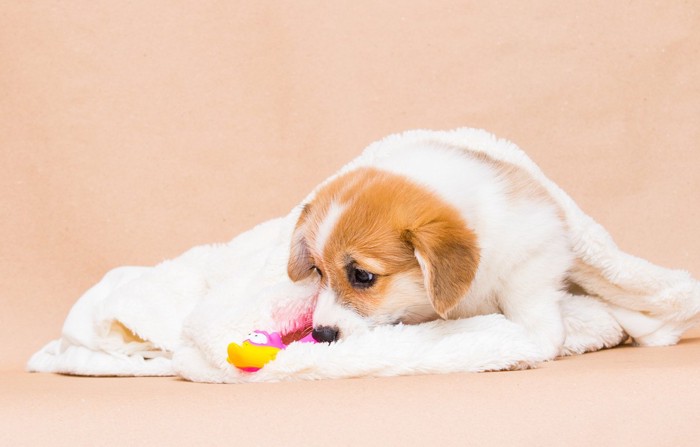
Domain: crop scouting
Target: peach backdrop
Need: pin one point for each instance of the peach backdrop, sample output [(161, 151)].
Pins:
[(131, 131)]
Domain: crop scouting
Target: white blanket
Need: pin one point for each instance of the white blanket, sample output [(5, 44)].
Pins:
[(178, 317)]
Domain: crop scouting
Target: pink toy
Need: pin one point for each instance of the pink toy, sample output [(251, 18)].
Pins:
[(259, 348)]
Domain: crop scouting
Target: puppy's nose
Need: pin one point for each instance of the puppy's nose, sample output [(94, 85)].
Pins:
[(325, 334)]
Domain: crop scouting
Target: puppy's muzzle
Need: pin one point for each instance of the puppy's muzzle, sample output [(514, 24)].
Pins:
[(325, 334)]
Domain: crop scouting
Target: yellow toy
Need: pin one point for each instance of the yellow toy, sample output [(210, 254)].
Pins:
[(259, 348)]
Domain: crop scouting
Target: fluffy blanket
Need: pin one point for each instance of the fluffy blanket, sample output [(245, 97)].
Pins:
[(178, 317)]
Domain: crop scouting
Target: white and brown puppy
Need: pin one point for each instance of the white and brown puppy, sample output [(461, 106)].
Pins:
[(433, 233)]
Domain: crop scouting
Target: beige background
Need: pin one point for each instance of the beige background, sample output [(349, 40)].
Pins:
[(131, 131)]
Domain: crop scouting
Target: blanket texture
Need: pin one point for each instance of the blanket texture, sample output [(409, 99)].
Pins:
[(178, 317)]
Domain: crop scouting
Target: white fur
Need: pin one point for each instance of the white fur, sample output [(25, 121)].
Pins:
[(329, 312), (327, 225), (401, 304)]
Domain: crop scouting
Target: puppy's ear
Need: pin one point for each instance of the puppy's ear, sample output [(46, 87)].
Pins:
[(299, 264), (448, 255)]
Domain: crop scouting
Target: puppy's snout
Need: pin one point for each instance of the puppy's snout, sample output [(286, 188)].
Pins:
[(325, 334)]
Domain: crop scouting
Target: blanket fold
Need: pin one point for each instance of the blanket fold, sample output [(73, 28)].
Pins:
[(178, 317)]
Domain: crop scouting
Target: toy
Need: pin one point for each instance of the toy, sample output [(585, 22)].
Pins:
[(259, 348)]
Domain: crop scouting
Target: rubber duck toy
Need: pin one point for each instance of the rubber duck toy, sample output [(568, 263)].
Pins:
[(259, 348)]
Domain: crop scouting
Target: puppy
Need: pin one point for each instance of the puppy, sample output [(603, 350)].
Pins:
[(433, 233)]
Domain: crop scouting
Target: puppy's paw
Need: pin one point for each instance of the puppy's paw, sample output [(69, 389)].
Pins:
[(590, 326)]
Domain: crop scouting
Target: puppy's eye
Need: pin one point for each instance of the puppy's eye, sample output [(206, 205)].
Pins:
[(317, 270), (360, 279)]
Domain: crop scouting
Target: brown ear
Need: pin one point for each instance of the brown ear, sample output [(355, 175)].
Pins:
[(299, 264), (448, 255)]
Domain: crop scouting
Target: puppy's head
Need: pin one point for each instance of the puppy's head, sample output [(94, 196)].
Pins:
[(383, 250)]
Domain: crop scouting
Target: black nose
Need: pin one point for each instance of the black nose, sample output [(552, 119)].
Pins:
[(325, 334)]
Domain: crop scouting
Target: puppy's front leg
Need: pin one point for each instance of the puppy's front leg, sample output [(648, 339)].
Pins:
[(590, 325), (540, 316), (532, 299)]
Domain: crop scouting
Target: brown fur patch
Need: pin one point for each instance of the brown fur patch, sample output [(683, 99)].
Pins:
[(520, 183), (386, 218)]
